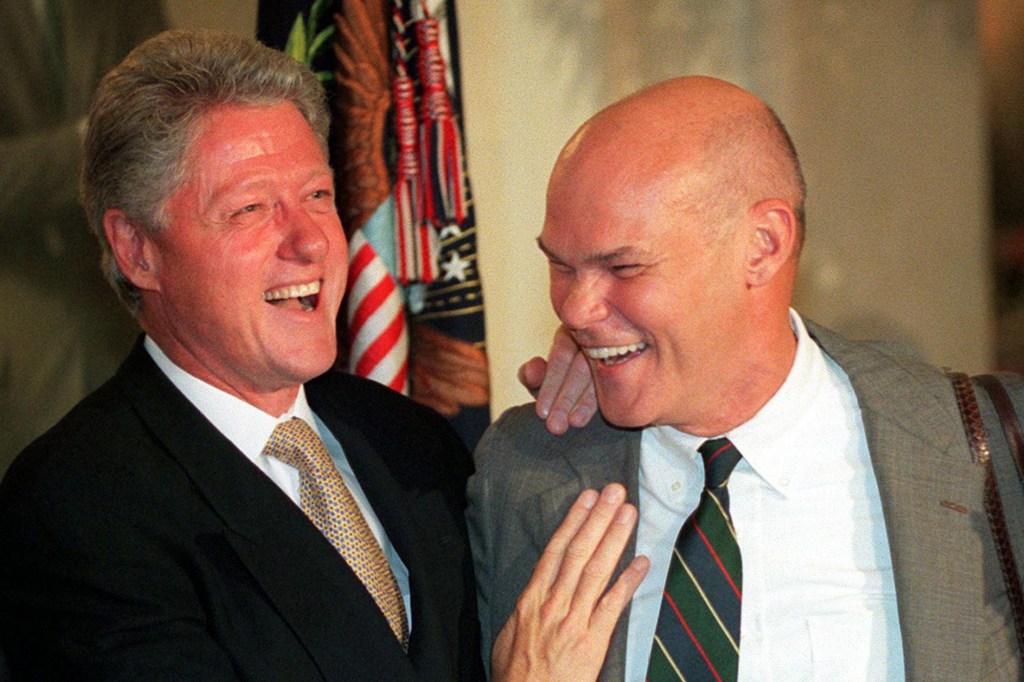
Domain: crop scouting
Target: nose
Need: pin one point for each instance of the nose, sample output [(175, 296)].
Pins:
[(579, 302), (305, 238)]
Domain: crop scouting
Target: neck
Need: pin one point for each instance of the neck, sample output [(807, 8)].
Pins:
[(274, 402), (757, 379)]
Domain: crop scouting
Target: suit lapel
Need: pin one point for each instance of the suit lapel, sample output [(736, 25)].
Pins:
[(594, 456), (931, 497), (302, 575), (407, 518)]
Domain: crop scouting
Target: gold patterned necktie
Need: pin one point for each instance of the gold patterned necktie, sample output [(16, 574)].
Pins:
[(329, 504)]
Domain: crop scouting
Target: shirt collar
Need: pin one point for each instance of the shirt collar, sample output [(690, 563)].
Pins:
[(246, 426), (770, 441)]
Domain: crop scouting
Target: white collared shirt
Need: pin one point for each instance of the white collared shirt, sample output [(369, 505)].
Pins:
[(819, 601), (249, 428)]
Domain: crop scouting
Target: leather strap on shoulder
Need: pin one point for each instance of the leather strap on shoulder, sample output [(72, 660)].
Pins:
[(974, 429), (1007, 417)]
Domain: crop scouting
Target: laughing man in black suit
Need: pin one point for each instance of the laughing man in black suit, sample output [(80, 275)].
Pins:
[(150, 535)]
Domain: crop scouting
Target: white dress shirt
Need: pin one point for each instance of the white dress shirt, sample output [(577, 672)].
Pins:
[(819, 602), (249, 428)]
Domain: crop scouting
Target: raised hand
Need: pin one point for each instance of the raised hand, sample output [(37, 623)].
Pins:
[(563, 621)]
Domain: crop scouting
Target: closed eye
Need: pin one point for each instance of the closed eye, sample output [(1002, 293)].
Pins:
[(626, 269), (250, 208), (560, 268)]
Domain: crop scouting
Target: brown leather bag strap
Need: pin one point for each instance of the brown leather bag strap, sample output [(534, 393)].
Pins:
[(970, 413), (1007, 417), (974, 428)]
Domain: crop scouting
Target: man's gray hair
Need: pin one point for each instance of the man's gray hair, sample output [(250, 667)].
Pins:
[(144, 116)]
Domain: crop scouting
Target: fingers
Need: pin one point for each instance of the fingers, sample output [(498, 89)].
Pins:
[(531, 375), (559, 364), (601, 563), (562, 623), (576, 401), (562, 385), (614, 601), (584, 552), (583, 555), (550, 563), (566, 396)]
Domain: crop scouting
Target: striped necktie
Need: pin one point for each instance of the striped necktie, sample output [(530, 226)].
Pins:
[(329, 504), (698, 632)]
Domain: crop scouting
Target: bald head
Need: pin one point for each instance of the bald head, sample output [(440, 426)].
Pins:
[(670, 214), (708, 146)]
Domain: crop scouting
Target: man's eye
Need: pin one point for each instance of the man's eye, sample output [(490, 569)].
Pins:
[(560, 268), (250, 208), (321, 194), (626, 269)]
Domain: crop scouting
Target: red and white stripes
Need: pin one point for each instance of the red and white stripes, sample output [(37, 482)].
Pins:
[(377, 331)]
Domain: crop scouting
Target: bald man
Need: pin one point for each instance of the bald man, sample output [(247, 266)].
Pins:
[(673, 231)]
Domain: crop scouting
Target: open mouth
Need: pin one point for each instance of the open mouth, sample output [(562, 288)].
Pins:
[(303, 297), (614, 355)]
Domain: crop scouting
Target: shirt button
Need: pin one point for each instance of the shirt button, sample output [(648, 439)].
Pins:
[(676, 485), (784, 481)]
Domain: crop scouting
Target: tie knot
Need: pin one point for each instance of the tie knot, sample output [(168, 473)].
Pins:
[(296, 444), (720, 458)]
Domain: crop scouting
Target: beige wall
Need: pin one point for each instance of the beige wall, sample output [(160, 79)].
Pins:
[(884, 103), (883, 100), (235, 16)]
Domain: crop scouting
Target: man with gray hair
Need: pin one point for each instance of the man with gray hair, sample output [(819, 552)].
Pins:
[(226, 507), (218, 509)]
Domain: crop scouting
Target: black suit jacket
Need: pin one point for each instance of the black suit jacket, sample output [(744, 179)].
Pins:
[(138, 543)]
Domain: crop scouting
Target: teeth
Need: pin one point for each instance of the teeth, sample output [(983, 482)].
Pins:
[(606, 352), (294, 291)]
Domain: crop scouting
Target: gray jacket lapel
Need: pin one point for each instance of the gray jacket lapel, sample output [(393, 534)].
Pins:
[(597, 458), (932, 499), (512, 538)]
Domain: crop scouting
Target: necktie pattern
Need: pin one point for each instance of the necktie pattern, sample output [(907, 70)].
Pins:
[(698, 632), (329, 504)]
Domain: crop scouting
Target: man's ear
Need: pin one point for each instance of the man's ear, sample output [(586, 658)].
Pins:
[(133, 250), (773, 240)]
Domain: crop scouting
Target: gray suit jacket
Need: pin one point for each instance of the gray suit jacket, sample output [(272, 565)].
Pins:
[(953, 609)]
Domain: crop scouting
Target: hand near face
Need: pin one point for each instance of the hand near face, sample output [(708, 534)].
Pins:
[(563, 620), (562, 385)]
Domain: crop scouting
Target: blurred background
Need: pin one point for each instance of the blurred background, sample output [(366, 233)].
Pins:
[(908, 116)]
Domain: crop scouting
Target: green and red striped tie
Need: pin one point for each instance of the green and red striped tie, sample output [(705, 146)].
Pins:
[(698, 632)]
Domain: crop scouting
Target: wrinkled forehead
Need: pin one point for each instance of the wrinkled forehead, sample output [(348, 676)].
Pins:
[(227, 131), (616, 220)]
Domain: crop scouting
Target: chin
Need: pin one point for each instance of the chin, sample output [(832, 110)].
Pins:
[(308, 365), (623, 416)]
